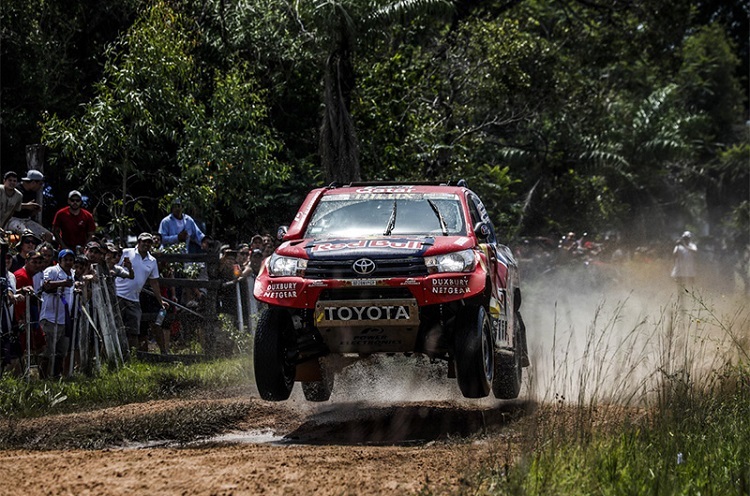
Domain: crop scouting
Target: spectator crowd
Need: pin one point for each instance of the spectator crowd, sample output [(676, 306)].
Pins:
[(61, 278)]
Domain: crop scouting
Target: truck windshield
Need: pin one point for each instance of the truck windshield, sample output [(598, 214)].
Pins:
[(375, 215)]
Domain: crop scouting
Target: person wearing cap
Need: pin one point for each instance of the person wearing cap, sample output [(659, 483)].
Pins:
[(21, 220), (95, 254), (11, 200), (178, 227), (111, 258), (73, 225), (145, 268), (57, 296), (26, 244), (685, 252), (256, 242)]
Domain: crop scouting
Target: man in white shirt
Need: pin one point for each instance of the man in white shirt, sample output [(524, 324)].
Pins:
[(684, 254), (57, 283), (145, 268)]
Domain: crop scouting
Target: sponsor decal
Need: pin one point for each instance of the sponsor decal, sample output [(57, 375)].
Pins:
[(367, 243), (316, 283), (386, 189), (451, 286), (303, 212), (463, 241), (410, 282), (390, 312), (281, 290)]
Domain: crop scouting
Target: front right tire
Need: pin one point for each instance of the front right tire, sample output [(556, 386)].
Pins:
[(320, 390), (508, 371), (473, 351), (275, 347)]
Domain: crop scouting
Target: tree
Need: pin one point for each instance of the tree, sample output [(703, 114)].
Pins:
[(344, 25), (128, 128), (152, 126), (227, 155), (51, 54)]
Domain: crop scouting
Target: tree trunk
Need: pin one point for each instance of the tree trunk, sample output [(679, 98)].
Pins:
[(35, 161), (339, 152)]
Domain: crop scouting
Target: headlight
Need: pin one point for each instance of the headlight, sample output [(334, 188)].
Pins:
[(458, 261), (286, 266)]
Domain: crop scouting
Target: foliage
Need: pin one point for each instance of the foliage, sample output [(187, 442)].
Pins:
[(223, 171), (342, 22), (51, 55), (639, 99), (146, 126), (703, 449), (127, 130), (241, 340)]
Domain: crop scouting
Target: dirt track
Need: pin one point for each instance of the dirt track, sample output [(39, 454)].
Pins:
[(350, 448)]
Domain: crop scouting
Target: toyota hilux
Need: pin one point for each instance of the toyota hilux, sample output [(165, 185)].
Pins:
[(379, 268)]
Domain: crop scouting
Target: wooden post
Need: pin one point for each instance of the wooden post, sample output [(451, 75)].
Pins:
[(212, 303), (35, 161)]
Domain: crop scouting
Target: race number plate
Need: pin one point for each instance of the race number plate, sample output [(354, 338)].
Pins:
[(348, 313)]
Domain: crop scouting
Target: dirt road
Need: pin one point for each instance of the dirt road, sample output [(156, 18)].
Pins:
[(253, 447)]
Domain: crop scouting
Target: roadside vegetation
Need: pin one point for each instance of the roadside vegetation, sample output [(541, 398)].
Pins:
[(676, 421), (136, 382)]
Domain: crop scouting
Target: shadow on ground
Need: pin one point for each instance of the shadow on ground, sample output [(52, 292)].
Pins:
[(357, 423)]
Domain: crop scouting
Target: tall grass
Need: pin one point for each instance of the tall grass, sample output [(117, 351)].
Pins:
[(135, 382), (661, 407)]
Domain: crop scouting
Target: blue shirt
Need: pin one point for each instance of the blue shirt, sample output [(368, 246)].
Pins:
[(170, 228)]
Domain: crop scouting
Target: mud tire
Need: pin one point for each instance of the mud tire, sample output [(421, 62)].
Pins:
[(474, 353), (274, 344), (508, 372)]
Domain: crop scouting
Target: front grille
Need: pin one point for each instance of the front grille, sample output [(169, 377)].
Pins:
[(384, 267), (377, 293)]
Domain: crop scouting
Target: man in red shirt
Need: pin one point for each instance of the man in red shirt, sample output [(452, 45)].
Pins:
[(73, 225), (29, 281)]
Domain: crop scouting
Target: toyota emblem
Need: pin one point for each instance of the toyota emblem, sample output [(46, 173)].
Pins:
[(363, 266)]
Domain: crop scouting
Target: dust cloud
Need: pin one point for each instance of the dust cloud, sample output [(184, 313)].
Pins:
[(614, 339)]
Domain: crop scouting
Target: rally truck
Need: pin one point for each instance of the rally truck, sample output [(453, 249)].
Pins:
[(380, 268)]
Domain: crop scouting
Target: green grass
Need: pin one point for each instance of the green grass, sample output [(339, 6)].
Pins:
[(674, 421), (135, 382)]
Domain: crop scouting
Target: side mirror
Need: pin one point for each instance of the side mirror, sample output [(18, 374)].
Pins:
[(281, 232), (482, 231)]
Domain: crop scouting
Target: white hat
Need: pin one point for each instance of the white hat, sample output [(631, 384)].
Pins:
[(33, 175)]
